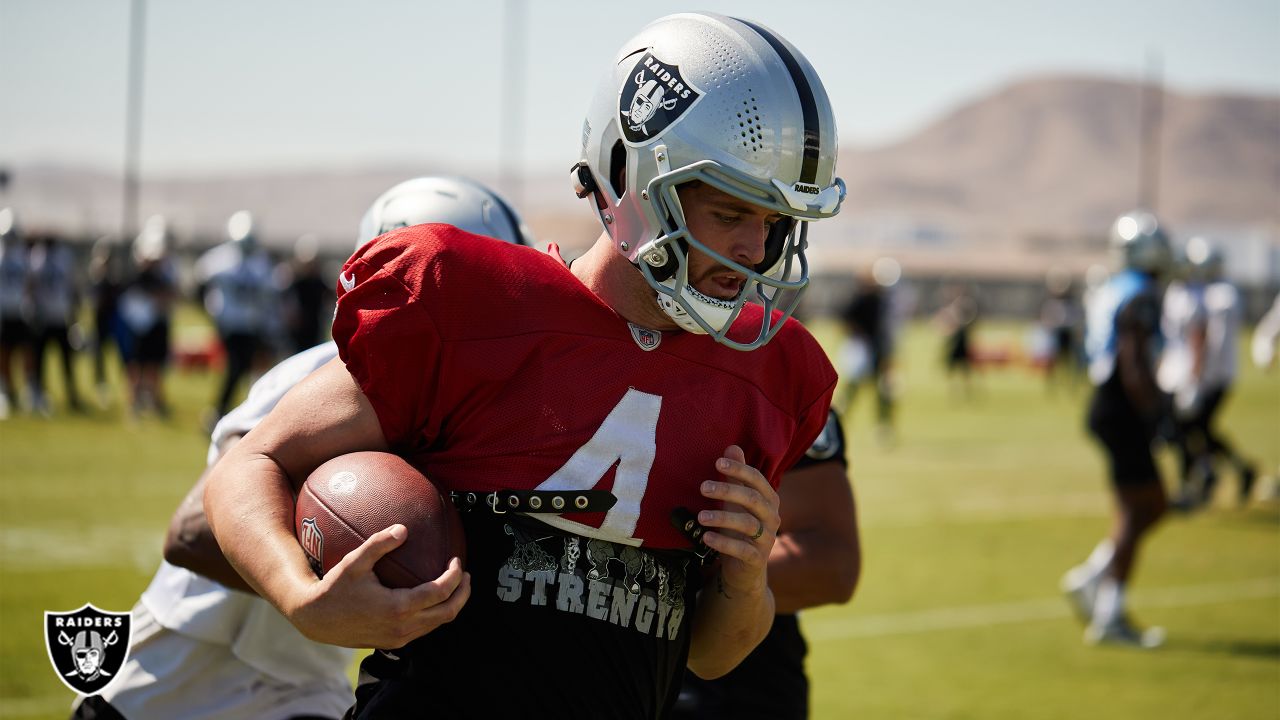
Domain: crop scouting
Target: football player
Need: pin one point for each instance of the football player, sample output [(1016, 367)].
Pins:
[(659, 383), (1202, 325), (200, 648), (1123, 342)]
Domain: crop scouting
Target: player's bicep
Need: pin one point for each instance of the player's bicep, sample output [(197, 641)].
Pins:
[(322, 417), (818, 498)]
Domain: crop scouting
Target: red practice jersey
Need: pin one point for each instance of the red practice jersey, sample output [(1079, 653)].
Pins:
[(492, 367)]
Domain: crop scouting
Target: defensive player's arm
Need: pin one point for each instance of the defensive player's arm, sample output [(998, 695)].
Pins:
[(249, 503), (817, 558), (190, 542), (735, 612)]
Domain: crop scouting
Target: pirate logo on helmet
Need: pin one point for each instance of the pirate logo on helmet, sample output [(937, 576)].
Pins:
[(87, 646), (654, 97)]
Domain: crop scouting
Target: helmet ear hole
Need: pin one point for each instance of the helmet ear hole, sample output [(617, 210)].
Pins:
[(618, 169)]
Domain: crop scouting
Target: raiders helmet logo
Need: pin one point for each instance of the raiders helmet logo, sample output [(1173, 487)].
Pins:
[(654, 97), (87, 646)]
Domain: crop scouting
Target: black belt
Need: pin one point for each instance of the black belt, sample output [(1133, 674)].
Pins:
[(535, 501)]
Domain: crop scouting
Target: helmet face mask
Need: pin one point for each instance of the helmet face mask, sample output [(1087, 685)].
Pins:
[(701, 97), (775, 284)]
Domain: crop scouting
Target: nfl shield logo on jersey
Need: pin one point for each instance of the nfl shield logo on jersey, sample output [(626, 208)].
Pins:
[(313, 544), (654, 97), (647, 339), (87, 646)]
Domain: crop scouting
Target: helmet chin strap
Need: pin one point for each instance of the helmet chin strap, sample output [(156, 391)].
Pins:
[(714, 312)]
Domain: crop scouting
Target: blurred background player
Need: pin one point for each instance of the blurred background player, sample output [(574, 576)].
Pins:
[(1201, 323), (204, 646), (956, 320), (816, 561), (871, 319), (239, 293), (56, 298), (1266, 336), (15, 313), (1123, 343), (306, 297), (146, 311), (106, 282), (1061, 318)]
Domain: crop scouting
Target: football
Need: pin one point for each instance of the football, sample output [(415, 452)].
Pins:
[(353, 496)]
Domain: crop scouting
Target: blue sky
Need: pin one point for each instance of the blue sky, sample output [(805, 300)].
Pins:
[(264, 84)]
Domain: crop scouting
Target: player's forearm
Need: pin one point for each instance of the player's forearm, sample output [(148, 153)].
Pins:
[(249, 506), (190, 542), (811, 568), (728, 625)]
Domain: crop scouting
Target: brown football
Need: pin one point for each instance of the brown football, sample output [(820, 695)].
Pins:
[(353, 496)]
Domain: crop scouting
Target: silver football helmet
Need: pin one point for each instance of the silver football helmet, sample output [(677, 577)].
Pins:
[(1204, 260), (1138, 242), (465, 204), (727, 102)]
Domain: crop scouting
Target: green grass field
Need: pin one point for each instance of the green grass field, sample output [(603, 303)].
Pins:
[(967, 523)]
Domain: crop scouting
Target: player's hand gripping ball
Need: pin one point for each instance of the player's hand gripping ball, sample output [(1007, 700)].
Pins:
[(353, 496)]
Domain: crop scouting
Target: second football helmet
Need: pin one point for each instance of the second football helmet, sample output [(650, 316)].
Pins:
[(465, 204), (1138, 242), (1204, 260), (727, 102)]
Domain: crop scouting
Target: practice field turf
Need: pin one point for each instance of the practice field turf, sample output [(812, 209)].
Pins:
[(968, 520)]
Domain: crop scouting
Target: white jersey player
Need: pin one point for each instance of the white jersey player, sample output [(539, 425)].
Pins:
[(202, 649)]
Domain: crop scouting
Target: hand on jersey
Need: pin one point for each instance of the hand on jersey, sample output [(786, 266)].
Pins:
[(743, 530), (351, 608)]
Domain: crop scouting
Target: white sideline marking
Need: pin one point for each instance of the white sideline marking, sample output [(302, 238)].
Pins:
[(951, 618)]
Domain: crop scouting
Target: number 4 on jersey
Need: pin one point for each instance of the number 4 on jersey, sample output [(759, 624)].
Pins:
[(627, 438)]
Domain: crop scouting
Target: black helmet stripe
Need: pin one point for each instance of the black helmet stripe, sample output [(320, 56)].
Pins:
[(808, 106)]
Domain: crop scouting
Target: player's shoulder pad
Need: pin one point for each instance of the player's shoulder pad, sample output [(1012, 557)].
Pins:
[(828, 446)]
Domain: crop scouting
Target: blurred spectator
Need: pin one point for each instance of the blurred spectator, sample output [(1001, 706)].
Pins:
[(1061, 319), (56, 297), (240, 295), (308, 296), (15, 310), (146, 306), (870, 321), (106, 282)]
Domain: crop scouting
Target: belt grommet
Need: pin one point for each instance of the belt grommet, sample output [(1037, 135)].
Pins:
[(513, 501), (535, 502), (557, 502), (580, 502)]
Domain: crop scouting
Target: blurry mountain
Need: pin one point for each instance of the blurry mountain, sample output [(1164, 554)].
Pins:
[(1062, 153), (1032, 175), (1024, 177)]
